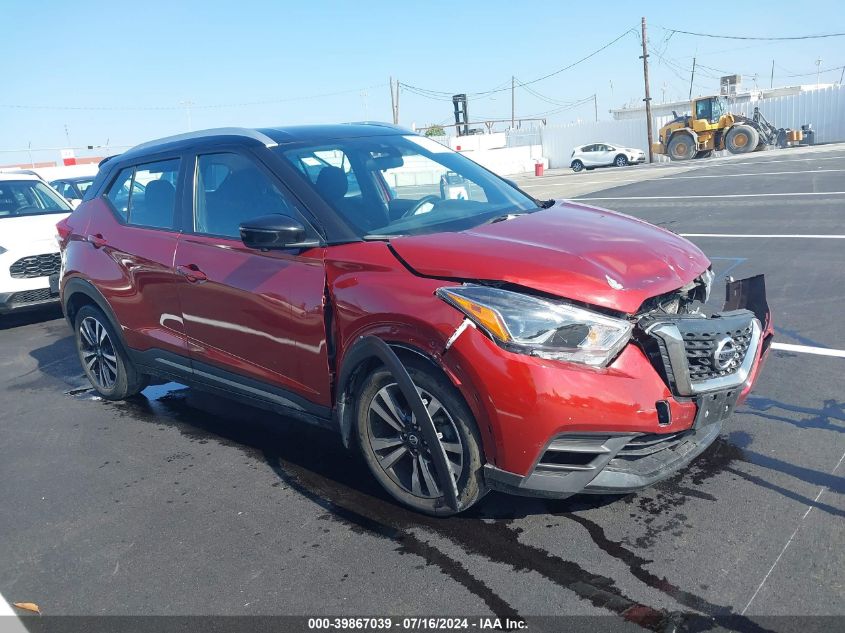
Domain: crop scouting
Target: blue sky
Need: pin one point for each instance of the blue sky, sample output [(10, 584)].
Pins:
[(139, 62)]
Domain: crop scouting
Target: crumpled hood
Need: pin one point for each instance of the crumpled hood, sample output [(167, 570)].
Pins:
[(570, 250)]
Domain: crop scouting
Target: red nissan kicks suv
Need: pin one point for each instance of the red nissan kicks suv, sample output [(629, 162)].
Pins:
[(459, 333)]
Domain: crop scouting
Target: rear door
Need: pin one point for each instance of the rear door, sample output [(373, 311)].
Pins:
[(602, 155), (254, 319), (589, 155), (131, 252)]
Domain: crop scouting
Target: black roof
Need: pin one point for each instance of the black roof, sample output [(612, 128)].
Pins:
[(269, 137)]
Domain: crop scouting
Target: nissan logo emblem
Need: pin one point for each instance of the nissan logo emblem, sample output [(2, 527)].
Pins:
[(725, 353)]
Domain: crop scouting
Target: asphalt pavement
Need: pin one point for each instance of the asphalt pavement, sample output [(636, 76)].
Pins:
[(179, 503)]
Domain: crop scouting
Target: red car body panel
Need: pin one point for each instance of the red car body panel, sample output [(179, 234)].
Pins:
[(258, 314), (591, 255), (132, 267)]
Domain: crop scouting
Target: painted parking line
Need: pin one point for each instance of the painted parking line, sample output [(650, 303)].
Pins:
[(9, 620), (766, 236), (806, 349), (792, 537), (696, 177), (747, 175), (721, 195)]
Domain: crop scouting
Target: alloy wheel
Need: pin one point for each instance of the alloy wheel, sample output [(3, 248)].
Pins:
[(398, 444), (98, 353)]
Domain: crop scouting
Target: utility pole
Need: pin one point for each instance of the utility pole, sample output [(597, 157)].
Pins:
[(691, 78), (647, 94), (842, 75), (397, 102), (772, 80), (392, 103), (596, 106), (818, 70), (513, 101), (188, 105)]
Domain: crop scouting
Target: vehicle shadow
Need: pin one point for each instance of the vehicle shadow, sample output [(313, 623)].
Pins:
[(30, 317), (313, 462)]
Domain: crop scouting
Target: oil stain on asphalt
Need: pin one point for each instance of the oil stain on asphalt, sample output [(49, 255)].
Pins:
[(313, 462)]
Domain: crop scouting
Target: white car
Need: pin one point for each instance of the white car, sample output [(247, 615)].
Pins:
[(29, 254), (604, 155)]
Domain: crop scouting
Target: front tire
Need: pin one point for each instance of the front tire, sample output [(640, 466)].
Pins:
[(103, 357), (620, 161), (741, 139), (395, 451), (577, 165), (681, 147)]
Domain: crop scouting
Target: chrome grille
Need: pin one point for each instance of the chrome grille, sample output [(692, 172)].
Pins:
[(695, 354), (701, 347), (36, 266)]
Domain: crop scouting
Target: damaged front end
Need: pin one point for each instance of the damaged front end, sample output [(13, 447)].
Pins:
[(714, 354)]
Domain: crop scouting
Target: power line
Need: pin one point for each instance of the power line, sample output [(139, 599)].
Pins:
[(447, 96), (745, 37)]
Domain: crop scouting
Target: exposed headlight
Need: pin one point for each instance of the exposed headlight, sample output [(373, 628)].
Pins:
[(707, 277), (539, 327)]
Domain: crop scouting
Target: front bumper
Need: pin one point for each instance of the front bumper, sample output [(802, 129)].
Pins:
[(626, 463), (29, 276), (560, 429), (27, 299)]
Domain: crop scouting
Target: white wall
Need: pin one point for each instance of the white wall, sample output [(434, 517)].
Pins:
[(824, 108)]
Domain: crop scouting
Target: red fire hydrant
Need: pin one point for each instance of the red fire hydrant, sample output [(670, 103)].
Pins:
[(538, 169)]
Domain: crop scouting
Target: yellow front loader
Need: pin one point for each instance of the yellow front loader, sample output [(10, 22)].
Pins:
[(711, 126)]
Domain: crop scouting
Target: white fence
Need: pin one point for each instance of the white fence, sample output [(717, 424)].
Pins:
[(824, 108)]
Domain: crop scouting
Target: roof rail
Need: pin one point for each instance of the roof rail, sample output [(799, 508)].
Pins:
[(220, 131)]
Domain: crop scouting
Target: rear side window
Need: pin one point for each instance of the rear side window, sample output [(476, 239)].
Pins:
[(230, 189), (145, 195)]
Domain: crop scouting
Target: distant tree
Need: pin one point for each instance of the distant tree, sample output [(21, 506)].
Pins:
[(435, 130)]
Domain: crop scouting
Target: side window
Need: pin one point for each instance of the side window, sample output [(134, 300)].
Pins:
[(145, 195), (66, 189), (153, 199), (119, 192), (230, 189)]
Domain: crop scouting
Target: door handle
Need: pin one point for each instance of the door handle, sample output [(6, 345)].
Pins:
[(192, 273), (97, 241)]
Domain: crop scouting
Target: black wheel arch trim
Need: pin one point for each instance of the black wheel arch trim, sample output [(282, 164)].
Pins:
[(372, 347), (76, 285)]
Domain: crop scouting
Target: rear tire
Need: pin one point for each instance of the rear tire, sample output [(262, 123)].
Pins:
[(103, 357), (681, 147), (741, 139), (577, 165), (409, 475)]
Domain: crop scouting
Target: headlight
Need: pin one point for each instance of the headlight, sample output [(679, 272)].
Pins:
[(707, 277), (539, 327)]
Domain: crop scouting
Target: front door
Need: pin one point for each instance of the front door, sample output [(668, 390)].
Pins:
[(254, 319)]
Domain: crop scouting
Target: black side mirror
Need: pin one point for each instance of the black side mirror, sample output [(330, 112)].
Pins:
[(274, 232)]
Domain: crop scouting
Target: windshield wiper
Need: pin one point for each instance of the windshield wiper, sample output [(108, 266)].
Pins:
[(502, 218), (379, 238)]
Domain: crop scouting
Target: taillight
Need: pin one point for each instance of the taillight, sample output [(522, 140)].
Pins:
[(63, 232)]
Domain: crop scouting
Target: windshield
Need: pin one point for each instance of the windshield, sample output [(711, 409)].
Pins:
[(404, 185), (29, 197)]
